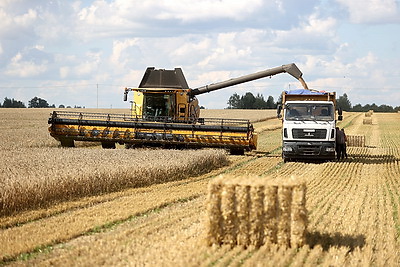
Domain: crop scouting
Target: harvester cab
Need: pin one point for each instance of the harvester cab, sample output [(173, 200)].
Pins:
[(163, 95), (165, 112)]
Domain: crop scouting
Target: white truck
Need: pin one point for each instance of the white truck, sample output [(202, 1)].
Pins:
[(308, 124)]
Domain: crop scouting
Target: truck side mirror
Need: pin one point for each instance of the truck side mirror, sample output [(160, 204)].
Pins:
[(278, 111), (340, 112), (126, 95)]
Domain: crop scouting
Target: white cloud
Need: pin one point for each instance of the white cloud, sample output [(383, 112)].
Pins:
[(188, 10), (64, 71), (118, 49), (21, 68), (113, 41), (314, 33), (372, 11)]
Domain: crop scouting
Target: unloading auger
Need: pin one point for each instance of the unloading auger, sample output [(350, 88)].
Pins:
[(165, 112)]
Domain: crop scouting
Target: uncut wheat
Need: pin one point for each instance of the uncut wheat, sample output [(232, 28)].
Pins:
[(35, 177)]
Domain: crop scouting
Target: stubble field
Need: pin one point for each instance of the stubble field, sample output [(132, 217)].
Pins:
[(353, 205)]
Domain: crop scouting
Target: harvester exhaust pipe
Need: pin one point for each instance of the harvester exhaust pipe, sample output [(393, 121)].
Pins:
[(292, 69)]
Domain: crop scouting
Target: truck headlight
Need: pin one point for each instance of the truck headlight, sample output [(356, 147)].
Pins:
[(287, 149), (330, 149)]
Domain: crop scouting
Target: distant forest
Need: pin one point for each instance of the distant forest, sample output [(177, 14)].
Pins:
[(249, 101), (35, 102)]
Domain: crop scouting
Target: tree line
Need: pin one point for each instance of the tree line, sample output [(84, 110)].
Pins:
[(344, 103), (35, 102), (249, 101)]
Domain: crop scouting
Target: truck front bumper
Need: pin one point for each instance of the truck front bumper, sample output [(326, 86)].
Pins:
[(311, 150)]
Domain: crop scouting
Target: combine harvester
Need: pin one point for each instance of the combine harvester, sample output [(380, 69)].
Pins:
[(165, 112)]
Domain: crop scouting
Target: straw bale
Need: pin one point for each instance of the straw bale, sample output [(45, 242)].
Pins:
[(367, 114), (243, 213), (215, 219), (356, 140), (257, 215), (228, 210), (298, 216), (253, 211), (284, 215), (271, 209), (367, 121)]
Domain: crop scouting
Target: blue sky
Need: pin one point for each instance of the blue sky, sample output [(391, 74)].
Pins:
[(85, 52)]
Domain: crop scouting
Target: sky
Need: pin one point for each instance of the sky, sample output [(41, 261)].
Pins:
[(85, 53)]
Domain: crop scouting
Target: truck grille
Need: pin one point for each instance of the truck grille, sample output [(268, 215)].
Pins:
[(309, 133)]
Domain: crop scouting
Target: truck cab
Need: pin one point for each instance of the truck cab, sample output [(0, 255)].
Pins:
[(309, 122)]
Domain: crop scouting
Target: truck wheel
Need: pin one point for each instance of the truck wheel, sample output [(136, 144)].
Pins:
[(108, 145), (67, 142)]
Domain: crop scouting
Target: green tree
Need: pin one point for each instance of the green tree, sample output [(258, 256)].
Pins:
[(270, 102), (234, 101), (12, 103), (343, 102), (37, 102), (248, 101), (259, 102)]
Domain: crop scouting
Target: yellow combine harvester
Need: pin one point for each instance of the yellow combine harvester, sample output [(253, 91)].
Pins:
[(165, 112)]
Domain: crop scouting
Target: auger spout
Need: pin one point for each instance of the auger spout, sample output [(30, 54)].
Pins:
[(292, 69)]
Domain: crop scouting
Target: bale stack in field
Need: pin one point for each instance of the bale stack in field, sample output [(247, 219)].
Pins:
[(356, 140), (253, 211), (368, 117)]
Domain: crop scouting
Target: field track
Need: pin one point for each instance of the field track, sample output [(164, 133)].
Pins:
[(353, 207)]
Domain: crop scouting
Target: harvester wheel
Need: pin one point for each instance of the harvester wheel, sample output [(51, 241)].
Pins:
[(236, 151), (67, 142), (108, 145)]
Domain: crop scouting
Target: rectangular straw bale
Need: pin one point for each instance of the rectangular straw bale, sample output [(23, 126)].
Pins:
[(253, 211), (367, 121), (215, 219), (367, 114), (257, 215), (356, 140), (243, 213), (229, 216), (270, 212), (284, 215), (298, 216)]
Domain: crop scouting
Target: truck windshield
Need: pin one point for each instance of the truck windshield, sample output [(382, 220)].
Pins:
[(158, 105), (309, 112)]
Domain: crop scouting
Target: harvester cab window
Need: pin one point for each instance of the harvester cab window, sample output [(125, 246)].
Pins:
[(158, 105)]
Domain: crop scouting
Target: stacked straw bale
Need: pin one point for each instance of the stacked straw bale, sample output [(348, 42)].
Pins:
[(356, 140), (368, 117), (253, 211)]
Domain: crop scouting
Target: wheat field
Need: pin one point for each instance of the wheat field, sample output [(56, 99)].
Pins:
[(353, 210)]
